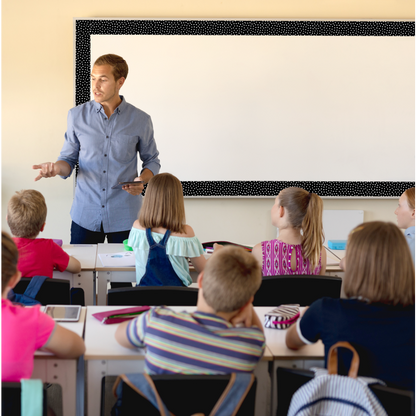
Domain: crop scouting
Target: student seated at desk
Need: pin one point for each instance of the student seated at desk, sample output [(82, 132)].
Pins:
[(406, 218), (378, 316), (161, 240), (26, 215), (26, 329), (293, 252), (224, 335)]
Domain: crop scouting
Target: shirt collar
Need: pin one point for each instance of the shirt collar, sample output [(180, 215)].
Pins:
[(119, 109), (218, 319), (410, 230)]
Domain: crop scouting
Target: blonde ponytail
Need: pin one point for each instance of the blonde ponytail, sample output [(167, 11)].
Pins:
[(305, 213), (313, 234)]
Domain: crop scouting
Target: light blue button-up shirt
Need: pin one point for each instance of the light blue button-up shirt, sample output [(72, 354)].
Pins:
[(106, 149), (410, 237)]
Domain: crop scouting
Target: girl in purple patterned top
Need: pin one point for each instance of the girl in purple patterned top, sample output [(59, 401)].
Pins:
[(298, 249)]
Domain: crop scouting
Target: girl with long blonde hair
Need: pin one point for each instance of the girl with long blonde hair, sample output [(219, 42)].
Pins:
[(161, 241)]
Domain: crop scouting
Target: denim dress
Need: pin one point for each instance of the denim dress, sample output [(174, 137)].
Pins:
[(162, 258)]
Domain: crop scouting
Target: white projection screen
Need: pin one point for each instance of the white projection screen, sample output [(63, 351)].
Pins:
[(248, 114)]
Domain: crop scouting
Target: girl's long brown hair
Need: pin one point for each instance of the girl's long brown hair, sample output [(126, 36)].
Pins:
[(305, 213), (378, 265), (163, 204)]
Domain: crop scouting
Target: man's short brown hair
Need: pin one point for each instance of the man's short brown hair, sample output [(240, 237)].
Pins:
[(378, 265), (9, 257), (26, 213), (118, 64), (231, 277)]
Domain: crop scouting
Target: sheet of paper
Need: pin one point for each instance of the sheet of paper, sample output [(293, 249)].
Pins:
[(122, 259)]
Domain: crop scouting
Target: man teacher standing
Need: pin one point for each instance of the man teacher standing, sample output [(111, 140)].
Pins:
[(104, 136)]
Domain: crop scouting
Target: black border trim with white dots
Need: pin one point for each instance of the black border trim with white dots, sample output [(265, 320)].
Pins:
[(84, 28)]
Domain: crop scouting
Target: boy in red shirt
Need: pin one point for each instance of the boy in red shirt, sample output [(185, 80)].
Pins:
[(26, 215)]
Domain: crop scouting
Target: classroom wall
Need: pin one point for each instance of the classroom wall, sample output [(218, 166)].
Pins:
[(38, 91)]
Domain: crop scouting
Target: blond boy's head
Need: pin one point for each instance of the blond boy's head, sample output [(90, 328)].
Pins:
[(231, 277), (9, 257), (26, 213)]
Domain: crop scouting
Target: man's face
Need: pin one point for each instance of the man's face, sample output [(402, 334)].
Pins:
[(104, 87), (405, 215)]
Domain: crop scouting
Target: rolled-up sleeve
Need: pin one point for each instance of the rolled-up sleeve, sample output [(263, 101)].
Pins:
[(309, 326), (148, 150), (70, 149), (136, 329)]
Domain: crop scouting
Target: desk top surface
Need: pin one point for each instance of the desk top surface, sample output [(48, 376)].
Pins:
[(77, 327), (108, 248), (85, 253), (101, 344), (100, 339), (275, 340)]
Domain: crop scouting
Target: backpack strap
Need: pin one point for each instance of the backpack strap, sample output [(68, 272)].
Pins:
[(34, 286), (227, 405), (234, 394), (333, 359), (143, 384)]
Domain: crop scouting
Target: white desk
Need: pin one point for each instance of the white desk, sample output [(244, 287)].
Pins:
[(69, 373), (86, 254), (104, 356), (111, 274), (305, 358)]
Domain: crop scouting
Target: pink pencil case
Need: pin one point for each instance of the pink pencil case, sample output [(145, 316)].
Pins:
[(120, 315), (282, 317)]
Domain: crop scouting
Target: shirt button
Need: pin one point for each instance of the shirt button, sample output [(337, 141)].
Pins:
[(103, 171), (102, 206), (103, 189), (106, 137), (105, 155)]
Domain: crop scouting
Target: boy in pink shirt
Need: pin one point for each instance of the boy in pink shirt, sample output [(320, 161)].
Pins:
[(26, 329), (26, 215)]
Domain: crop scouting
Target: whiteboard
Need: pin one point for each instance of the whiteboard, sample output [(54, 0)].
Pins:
[(338, 224), (264, 109)]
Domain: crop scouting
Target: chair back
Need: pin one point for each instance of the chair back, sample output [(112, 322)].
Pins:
[(153, 296), (396, 402), (183, 395), (52, 292), (11, 404), (301, 289)]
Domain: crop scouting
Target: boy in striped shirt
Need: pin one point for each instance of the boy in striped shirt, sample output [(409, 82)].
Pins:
[(223, 335)]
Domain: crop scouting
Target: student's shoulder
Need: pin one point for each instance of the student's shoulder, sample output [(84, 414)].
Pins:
[(87, 107), (187, 233), (138, 226), (137, 113), (21, 312), (165, 313)]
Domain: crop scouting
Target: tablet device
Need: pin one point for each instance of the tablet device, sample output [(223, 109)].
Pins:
[(68, 313), (120, 184)]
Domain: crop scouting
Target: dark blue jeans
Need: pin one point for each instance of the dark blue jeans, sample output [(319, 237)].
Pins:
[(80, 235)]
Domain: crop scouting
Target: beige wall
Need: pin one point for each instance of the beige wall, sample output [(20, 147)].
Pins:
[(37, 91)]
